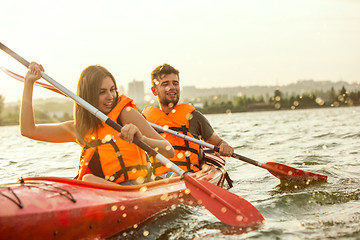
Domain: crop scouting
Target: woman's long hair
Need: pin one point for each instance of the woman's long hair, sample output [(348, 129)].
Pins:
[(89, 89)]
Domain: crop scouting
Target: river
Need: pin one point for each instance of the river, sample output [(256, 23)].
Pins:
[(325, 141)]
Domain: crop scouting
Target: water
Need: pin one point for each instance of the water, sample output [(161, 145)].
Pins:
[(325, 141)]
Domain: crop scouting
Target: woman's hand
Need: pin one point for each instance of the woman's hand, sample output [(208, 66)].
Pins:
[(33, 73), (129, 132)]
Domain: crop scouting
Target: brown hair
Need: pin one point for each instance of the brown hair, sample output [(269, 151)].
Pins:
[(88, 88), (160, 71)]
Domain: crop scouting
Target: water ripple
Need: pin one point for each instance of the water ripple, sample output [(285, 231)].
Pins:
[(324, 141)]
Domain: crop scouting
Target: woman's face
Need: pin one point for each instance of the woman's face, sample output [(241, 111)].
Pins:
[(107, 95)]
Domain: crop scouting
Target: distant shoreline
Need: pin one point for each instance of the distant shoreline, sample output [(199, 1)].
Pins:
[(274, 110), (16, 123)]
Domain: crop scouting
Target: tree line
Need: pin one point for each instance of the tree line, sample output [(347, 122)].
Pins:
[(211, 104), (279, 101), (48, 111)]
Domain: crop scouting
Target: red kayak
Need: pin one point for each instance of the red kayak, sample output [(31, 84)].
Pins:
[(61, 208)]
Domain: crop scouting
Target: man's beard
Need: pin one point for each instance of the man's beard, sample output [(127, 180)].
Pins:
[(169, 103)]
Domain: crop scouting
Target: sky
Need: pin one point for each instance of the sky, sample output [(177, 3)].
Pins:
[(212, 43)]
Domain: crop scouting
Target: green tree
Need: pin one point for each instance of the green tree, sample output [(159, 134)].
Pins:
[(260, 99), (355, 97), (343, 96), (343, 91), (332, 94), (278, 99)]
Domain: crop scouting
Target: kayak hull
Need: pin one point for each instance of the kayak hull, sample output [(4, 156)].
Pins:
[(60, 208)]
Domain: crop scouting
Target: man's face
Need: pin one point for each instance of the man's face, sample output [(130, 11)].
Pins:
[(167, 89)]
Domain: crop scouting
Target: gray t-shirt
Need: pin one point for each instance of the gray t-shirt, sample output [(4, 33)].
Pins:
[(200, 127)]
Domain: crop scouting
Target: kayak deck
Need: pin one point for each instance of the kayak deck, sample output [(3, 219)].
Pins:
[(53, 207)]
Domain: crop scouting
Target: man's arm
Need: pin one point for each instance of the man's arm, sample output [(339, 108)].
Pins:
[(200, 128), (224, 148)]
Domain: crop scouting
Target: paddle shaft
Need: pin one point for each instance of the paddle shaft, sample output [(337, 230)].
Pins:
[(96, 112), (280, 171), (15, 55), (202, 143)]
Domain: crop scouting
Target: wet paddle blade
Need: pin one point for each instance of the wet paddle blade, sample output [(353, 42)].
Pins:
[(284, 172), (226, 206)]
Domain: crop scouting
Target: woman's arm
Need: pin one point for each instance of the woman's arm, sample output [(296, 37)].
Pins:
[(135, 125), (62, 132)]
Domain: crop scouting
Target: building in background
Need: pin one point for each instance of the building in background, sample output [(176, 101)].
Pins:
[(136, 91)]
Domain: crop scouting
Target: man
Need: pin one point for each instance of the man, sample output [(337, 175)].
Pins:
[(180, 117)]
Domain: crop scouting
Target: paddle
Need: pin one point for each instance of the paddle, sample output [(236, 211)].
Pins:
[(281, 171), (226, 206), (21, 79)]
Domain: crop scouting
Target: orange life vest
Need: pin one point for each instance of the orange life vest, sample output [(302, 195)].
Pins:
[(120, 161), (186, 153)]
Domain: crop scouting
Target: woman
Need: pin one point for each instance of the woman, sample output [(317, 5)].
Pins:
[(107, 156)]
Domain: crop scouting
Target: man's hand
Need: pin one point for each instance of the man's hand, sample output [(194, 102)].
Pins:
[(225, 149)]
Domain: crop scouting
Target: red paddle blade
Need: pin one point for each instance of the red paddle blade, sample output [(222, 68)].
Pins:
[(21, 79), (226, 206), (284, 172)]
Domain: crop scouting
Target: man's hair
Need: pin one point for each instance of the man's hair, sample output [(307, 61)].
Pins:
[(161, 71)]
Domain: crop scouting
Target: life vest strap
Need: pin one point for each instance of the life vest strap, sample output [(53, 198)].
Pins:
[(122, 171), (217, 164), (178, 163), (98, 142), (93, 143), (182, 148), (178, 129), (120, 158)]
